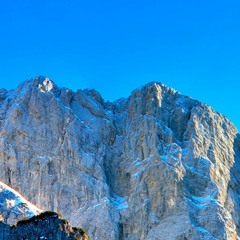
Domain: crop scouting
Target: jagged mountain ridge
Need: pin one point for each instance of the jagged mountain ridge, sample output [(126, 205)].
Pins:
[(142, 165)]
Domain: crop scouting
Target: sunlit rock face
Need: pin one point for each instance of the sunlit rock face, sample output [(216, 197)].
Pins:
[(46, 86), (156, 165)]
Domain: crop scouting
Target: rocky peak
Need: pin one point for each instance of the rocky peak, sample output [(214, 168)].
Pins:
[(46, 85), (3, 93), (155, 165)]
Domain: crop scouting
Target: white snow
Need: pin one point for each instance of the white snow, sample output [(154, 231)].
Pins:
[(202, 201), (97, 205), (139, 166), (16, 202), (205, 232), (193, 170), (119, 202)]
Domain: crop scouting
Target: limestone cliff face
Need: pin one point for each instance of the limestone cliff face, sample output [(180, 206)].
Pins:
[(157, 165)]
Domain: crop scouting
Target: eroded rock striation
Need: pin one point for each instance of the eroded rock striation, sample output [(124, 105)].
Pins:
[(157, 165)]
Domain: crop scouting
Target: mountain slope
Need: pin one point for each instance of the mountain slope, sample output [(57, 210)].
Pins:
[(157, 165)]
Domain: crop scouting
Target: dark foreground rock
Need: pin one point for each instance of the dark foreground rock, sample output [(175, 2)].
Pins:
[(47, 225)]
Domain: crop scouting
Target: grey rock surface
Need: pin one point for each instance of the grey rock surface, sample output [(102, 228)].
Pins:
[(157, 165)]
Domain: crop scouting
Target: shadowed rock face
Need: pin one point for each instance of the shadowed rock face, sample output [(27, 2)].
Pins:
[(157, 165), (47, 225)]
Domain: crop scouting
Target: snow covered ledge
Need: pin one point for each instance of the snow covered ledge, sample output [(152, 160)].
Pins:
[(46, 86), (13, 207)]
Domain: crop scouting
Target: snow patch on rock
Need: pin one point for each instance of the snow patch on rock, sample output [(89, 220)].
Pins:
[(13, 206)]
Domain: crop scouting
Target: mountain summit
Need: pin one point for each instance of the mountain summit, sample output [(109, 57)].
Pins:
[(156, 165)]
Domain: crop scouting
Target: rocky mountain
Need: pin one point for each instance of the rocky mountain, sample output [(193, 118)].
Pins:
[(154, 166), (47, 225)]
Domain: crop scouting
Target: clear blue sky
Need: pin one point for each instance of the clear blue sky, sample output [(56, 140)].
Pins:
[(115, 46)]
